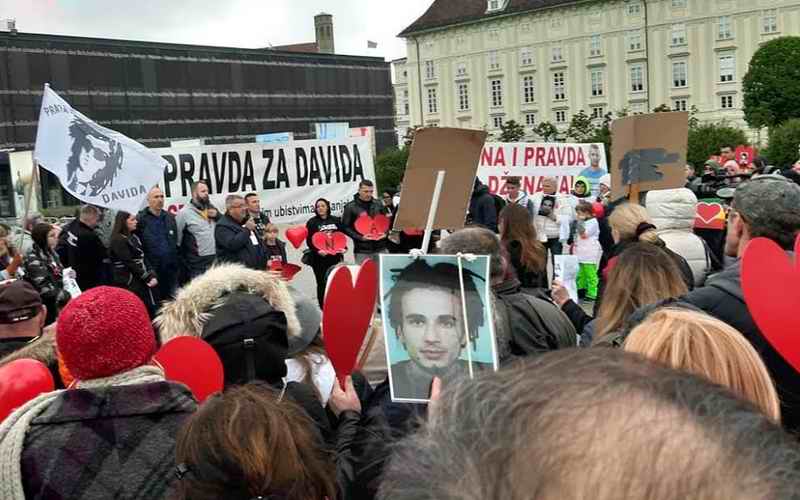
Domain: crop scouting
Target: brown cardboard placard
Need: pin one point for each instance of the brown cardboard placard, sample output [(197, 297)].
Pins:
[(457, 152), (648, 152)]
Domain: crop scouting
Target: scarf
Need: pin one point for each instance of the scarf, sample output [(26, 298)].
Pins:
[(14, 428)]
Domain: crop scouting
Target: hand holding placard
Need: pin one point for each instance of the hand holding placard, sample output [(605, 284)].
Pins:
[(326, 243), (372, 228)]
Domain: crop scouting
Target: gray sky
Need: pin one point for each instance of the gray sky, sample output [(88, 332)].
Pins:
[(231, 23)]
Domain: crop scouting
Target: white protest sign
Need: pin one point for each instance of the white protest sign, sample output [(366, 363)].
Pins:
[(288, 177), (565, 270), (535, 161)]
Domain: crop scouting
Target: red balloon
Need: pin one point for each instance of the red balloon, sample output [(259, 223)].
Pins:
[(598, 209), (193, 363), (347, 314), (297, 235), (372, 228), (330, 243), (21, 381), (769, 282)]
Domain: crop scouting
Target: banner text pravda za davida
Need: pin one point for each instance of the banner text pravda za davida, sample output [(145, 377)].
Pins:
[(289, 178)]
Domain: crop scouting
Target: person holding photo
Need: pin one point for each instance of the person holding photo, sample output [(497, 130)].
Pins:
[(425, 312), (552, 216)]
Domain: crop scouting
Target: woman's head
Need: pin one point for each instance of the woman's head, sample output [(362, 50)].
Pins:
[(249, 442), (695, 342), (124, 223), (322, 207), (642, 274), (271, 233), (40, 234), (515, 224), (630, 222)]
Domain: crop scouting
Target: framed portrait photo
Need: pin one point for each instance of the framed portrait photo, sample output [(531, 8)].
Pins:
[(437, 321)]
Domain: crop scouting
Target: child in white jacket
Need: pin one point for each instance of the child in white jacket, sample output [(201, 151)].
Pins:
[(587, 248)]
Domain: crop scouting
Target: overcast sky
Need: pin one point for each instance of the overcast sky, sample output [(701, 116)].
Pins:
[(230, 23)]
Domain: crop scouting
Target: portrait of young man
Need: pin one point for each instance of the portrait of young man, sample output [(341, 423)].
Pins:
[(427, 331)]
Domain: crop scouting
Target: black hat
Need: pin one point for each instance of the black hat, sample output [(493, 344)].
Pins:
[(19, 301), (250, 337)]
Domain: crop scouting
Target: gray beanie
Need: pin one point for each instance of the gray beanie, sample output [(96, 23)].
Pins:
[(770, 206), (310, 318)]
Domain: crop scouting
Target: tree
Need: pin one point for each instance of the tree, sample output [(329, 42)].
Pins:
[(511, 131), (580, 127), (663, 108), (771, 86), (783, 143), (546, 130), (390, 166), (706, 141)]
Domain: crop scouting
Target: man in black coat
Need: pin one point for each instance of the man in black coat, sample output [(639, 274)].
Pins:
[(769, 207), (236, 237), (482, 210), (158, 231), (82, 250), (363, 203)]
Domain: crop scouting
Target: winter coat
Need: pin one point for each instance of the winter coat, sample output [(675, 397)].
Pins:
[(43, 270), (528, 278), (129, 269), (349, 216), (547, 228), (195, 232), (159, 236), (524, 201), (275, 252), (482, 210), (673, 213), (84, 252), (261, 220), (315, 225), (237, 244), (587, 246), (114, 442)]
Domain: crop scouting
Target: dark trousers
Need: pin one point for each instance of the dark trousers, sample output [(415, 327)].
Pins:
[(194, 266), (167, 273), (321, 267), (555, 246)]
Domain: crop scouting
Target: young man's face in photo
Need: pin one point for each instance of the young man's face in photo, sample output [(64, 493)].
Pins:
[(92, 160), (432, 330), (594, 157)]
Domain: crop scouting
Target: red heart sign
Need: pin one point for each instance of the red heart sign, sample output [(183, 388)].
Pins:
[(745, 155), (297, 235), (330, 243), (21, 381), (372, 228), (413, 232), (709, 216), (288, 271), (181, 357), (769, 280), (347, 314)]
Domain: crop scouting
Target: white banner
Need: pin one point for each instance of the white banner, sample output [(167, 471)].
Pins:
[(535, 161), (288, 177), (95, 164)]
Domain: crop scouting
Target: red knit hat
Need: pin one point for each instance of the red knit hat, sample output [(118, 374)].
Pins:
[(103, 332)]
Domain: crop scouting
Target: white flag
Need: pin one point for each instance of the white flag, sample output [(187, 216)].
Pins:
[(96, 165)]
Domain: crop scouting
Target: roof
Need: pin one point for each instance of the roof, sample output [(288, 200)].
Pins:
[(298, 47), (448, 12)]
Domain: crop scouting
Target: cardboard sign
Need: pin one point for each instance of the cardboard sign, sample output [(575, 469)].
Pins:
[(457, 152), (648, 152)]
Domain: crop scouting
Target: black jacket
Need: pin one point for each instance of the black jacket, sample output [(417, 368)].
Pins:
[(160, 242), (84, 252), (481, 207), (261, 219), (351, 212), (129, 269), (317, 224), (276, 252), (43, 270), (234, 244), (528, 278)]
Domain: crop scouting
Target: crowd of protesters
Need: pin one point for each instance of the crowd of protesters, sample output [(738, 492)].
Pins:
[(655, 383)]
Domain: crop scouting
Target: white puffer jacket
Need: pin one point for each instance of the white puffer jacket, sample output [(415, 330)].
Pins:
[(673, 212)]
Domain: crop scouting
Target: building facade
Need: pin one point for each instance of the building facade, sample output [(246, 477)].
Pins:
[(480, 63), (402, 98)]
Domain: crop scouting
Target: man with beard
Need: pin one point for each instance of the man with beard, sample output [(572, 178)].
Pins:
[(196, 223), (426, 314)]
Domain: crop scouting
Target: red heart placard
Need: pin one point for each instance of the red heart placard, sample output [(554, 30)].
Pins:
[(288, 271), (372, 228), (193, 363), (769, 282), (20, 381), (413, 232), (330, 243), (347, 314), (709, 216), (745, 155), (297, 235)]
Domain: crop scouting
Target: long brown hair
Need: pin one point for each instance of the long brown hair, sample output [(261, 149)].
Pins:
[(517, 226), (643, 274), (250, 442)]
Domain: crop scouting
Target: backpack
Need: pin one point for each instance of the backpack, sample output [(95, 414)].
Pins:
[(537, 324)]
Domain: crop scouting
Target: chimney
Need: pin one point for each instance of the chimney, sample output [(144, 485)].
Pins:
[(323, 24)]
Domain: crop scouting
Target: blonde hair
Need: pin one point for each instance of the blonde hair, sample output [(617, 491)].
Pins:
[(695, 342), (270, 227), (625, 219)]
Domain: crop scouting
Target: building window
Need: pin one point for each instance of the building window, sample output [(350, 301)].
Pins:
[(430, 70), (493, 5), (497, 121), (597, 82), (678, 3), (727, 68), (598, 112), (769, 23), (463, 96), (637, 78), (725, 28), (595, 46), (557, 54), (561, 116), (678, 34), (530, 119), (680, 105), (493, 61), (433, 101), (727, 102), (634, 8), (496, 87), (525, 56), (528, 89), (559, 86), (494, 35), (406, 108), (461, 69), (679, 74), (634, 41)]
